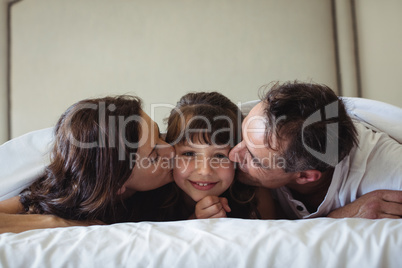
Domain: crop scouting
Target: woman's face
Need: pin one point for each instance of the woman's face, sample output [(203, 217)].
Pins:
[(153, 160)]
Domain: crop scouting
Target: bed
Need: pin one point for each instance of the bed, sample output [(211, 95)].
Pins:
[(210, 243), (320, 242)]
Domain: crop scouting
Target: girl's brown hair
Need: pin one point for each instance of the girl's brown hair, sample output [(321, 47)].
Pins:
[(208, 118), (205, 117), (90, 160)]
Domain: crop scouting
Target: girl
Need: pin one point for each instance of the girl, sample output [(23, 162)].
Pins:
[(203, 128), (105, 150)]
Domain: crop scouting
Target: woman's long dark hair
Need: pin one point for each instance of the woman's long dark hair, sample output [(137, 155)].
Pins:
[(90, 160)]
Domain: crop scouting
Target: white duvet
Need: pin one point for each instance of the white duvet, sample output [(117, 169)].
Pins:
[(211, 243), (200, 243)]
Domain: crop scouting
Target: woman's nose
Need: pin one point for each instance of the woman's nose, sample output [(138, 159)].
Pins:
[(166, 150)]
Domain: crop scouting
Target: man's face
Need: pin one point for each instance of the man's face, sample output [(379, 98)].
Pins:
[(262, 165)]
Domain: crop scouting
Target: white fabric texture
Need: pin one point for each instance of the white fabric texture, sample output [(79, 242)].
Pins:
[(381, 116), (23, 160), (196, 243), (210, 243), (376, 163)]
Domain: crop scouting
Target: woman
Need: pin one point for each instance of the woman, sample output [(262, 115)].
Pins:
[(105, 151)]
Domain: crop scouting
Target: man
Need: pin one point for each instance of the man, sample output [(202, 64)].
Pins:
[(300, 142)]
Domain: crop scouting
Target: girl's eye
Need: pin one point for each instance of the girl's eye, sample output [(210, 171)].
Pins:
[(220, 156), (188, 154)]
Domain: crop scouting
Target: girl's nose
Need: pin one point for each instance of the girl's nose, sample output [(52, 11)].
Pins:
[(203, 166)]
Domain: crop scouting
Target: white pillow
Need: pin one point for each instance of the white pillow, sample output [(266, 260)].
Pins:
[(23, 160), (380, 115)]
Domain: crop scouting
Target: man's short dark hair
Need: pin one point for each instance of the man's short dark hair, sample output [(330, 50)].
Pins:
[(288, 106)]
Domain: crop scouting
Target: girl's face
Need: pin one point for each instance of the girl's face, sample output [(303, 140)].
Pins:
[(201, 170), (153, 167)]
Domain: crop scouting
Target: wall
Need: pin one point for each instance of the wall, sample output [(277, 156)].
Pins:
[(3, 72), (64, 51), (380, 41), (369, 45)]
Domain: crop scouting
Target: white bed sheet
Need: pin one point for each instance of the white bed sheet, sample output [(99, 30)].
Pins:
[(211, 243)]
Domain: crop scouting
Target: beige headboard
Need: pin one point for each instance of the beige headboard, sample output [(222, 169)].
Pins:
[(62, 51)]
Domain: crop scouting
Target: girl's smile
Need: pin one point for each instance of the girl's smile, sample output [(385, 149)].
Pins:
[(201, 169), (203, 186)]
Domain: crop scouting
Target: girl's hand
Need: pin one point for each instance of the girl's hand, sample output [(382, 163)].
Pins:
[(212, 207)]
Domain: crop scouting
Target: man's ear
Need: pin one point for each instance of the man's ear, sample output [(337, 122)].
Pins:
[(308, 176), (121, 190)]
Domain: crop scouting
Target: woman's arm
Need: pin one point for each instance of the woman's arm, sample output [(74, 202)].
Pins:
[(12, 221), (17, 223), (11, 206)]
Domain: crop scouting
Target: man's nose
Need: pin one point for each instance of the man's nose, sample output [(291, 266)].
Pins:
[(237, 153)]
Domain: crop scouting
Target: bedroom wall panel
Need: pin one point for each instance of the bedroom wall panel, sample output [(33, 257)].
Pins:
[(380, 42), (348, 73), (63, 51), (3, 73)]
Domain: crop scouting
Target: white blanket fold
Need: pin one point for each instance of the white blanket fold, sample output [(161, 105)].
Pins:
[(211, 243)]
